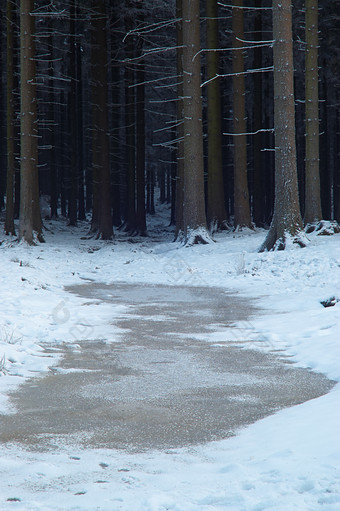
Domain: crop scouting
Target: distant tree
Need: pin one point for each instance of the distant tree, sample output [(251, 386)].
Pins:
[(194, 219), (312, 177), (30, 220), (216, 212), (241, 192), (286, 225)]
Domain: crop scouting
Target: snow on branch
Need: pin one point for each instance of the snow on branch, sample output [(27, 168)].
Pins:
[(150, 28), (233, 49), (151, 52), (155, 80), (230, 6), (255, 42), (271, 130), (248, 72)]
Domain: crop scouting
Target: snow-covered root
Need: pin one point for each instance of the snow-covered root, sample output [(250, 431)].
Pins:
[(218, 225), (198, 236), (323, 228), (285, 242)]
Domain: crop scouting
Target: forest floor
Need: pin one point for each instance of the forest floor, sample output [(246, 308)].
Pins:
[(288, 460)]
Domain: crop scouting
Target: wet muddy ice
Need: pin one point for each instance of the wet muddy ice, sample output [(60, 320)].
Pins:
[(159, 386)]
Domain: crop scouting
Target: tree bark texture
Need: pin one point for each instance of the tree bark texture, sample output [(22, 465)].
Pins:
[(241, 192), (101, 158), (312, 177), (216, 212), (286, 224), (258, 179), (73, 170), (180, 124), (30, 219), (9, 220), (140, 147), (194, 219), (130, 132)]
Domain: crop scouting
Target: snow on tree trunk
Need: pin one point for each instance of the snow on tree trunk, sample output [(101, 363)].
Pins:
[(241, 193), (286, 226), (9, 221), (194, 220), (30, 219), (101, 152), (216, 212), (180, 125), (313, 199)]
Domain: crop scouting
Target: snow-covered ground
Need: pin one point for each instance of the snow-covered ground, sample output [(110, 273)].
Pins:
[(288, 461)]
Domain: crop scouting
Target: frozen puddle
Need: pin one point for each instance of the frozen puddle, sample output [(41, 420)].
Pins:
[(159, 387)]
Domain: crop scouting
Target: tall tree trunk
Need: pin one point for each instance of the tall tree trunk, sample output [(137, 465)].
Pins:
[(102, 217), (115, 120), (286, 224), (30, 219), (130, 134), (53, 175), (216, 212), (241, 193), (312, 178), (258, 189), (73, 175), (140, 140), (180, 124), (194, 219), (80, 129), (9, 220)]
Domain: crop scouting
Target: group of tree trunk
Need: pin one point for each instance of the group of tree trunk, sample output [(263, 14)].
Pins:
[(230, 109)]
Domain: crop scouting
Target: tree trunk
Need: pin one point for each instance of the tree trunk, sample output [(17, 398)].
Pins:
[(73, 175), (258, 187), (194, 219), (80, 129), (140, 142), (241, 193), (216, 213), (180, 124), (30, 219), (9, 220), (53, 175), (102, 217), (312, 186), (286, 226)]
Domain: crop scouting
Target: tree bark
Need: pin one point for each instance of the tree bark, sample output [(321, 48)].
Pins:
[(30, 219), (130, 133), (216, 212), (180, 124), (258, 187), (73, 174), (102, 217), (286, 226), (140, 153), (312, 177), (241, 192), (9, 220), (194, 219)]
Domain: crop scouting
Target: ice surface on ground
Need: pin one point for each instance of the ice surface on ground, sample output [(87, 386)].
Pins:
[(285, 462)]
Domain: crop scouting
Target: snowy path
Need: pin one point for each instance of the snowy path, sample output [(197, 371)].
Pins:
[(283, 462), (159, 387)]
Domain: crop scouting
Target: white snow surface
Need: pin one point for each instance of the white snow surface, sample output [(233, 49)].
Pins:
[(288, 461)]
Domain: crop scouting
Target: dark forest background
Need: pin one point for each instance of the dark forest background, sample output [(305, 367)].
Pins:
[(135, 42)]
